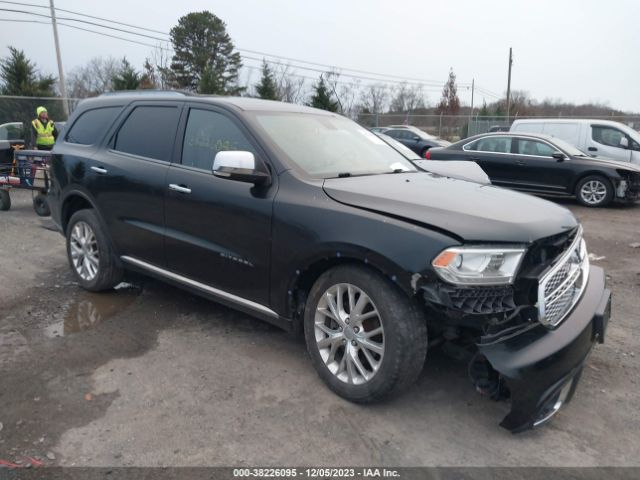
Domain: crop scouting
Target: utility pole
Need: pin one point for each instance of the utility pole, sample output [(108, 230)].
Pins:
[(473, 80), (509, 85), (63, 87)]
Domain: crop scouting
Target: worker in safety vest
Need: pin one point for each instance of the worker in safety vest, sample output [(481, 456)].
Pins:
[(43, 130)]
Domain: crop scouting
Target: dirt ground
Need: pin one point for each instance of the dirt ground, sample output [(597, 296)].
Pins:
[(148, 375)]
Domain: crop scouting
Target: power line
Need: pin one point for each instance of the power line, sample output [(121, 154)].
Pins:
[(343, 71)]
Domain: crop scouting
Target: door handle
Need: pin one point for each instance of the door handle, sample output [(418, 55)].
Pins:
[(592, 149), (100, 170), (179, 188)]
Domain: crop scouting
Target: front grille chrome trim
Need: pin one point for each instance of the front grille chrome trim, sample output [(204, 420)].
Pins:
[(551, 310)]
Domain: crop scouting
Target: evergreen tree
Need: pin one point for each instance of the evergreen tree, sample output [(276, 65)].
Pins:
[(484, 111), (205, 59), (267, 88), (322, 97), (19, 77), (126, 78)]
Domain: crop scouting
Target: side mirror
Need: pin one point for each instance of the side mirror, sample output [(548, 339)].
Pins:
[(416, 138), (559, 156), (239, 166), (624, 142)]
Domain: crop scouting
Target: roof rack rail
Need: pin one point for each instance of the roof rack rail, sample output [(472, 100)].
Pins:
[(146, 92)]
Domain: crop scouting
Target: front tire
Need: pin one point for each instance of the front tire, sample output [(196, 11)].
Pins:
[(367, 340), (594, 191), (90, 254)]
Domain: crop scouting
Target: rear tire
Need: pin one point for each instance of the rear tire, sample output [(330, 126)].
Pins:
[(378, 345), (41, 205), (5, 200), (594, 191), (91, 257)]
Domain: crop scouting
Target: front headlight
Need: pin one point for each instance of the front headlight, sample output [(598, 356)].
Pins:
[(479, 265)]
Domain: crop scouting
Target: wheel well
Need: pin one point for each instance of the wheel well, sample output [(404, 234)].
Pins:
[(593, 174), (307, 277), (71, 205)]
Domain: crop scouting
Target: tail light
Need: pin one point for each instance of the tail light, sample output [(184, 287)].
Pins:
[(427, 155)]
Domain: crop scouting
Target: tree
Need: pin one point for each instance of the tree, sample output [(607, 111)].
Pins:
[(449, 103), (148, 77), (407, 98), (484, 111), (205, 59), (322, 97), (93, 78), (267, 88), (126, 78), (19, 77)]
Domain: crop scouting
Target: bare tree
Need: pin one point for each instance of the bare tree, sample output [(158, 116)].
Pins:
[(93, 78), (161, 61), (407, 97), (291, 88)]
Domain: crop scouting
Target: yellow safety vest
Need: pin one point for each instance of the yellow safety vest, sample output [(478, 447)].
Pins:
[(45, 133)]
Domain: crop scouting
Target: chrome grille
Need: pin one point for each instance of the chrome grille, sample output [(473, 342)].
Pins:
[(562, 285)]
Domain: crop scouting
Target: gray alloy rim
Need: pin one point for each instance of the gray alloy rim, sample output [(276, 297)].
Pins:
[(593, 192), (349, 334), (84, 251)]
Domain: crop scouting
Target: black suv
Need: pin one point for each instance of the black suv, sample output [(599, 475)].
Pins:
[(307, 220)]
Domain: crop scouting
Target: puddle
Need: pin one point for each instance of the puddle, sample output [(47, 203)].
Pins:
[(88, 310)]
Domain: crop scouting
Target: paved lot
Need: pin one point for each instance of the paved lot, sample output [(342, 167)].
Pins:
[(149, 375)]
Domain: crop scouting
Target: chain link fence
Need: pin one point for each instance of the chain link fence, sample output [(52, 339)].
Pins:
[(456, 127)]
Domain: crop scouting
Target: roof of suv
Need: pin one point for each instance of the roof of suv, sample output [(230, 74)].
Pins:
[(240, 103)]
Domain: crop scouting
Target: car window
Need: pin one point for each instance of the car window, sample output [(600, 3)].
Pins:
[(608, 136), (492, 144), (149, 131), (91, 125), (208, 133), (534, 147), (394, 133)]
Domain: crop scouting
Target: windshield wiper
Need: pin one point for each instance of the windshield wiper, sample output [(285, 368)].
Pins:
[(344, 174)]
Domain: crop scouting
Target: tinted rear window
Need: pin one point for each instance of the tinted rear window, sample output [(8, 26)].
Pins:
[(91, 125), (149, 131)]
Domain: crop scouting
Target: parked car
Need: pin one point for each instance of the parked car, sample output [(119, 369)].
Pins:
[(414, 138), (499, 128), (305, 219), (597, 138), (11, 138), (547, 165)]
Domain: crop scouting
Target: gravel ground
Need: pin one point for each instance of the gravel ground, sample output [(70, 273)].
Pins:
[(148, 375)]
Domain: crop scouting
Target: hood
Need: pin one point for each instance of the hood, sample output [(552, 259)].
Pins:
[(473, 212), (608, 162)]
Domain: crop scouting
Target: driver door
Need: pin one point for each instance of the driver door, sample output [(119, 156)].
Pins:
[(218, 231)]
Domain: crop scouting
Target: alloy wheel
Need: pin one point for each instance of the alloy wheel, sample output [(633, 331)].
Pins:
[(593, 192), (349, 334), (84, 251)]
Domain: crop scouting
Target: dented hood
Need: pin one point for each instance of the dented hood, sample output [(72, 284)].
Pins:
[(473, 212)]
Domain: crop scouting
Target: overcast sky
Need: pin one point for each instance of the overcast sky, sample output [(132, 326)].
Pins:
[(574, 50)]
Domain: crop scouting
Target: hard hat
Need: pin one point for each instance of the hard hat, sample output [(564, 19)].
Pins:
[(40, 110)]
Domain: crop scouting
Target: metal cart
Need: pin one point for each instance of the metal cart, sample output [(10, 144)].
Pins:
[(29, 170)]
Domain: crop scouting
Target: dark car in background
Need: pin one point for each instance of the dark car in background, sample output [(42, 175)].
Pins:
[(309, 221), (542, 164), (417, 140)]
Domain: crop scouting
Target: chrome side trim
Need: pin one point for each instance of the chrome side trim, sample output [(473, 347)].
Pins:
[(200, 286)]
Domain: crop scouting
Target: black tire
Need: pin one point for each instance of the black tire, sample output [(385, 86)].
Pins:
[(5, 200), (109, 272), (600, 195), (404, 341), (41, 205)]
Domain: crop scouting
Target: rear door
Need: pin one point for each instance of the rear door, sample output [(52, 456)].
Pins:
[(218, 231), (493, 154), (128, 178)]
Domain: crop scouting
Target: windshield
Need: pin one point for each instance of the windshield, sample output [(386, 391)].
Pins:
[(326, 146), (568, 148)]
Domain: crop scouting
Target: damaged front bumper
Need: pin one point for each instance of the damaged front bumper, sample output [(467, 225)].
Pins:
[(541, 366)]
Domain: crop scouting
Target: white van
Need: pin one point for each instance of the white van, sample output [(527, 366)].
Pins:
[(598, 138)]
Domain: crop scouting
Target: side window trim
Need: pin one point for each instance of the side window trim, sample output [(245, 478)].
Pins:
[(553, 147), (599, 142)]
